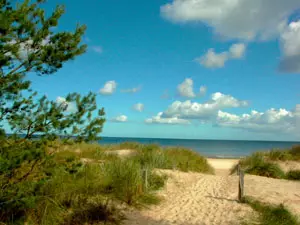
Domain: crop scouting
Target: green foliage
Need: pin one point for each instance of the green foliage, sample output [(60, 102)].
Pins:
[(28, 44), (271, 215), (93, 212), (256, 164), (124, 180), (279, 155), (156, 181), (20, 177), (293, 175), (295, 152), (187, 160), (49, 119), (266, 169), (151, 156)]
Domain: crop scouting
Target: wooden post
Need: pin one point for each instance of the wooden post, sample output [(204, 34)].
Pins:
[(146, 178), (241, 185), (238, 169)]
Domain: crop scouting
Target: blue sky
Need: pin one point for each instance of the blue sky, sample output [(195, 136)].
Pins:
[(163, 51)]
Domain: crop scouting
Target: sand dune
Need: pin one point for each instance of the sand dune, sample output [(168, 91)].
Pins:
[(199, 199)]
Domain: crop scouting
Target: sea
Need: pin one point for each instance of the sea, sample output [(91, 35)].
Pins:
[(209, 148)]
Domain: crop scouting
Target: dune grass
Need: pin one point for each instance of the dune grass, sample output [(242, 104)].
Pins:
[(270, 214), (262, 164), (293, 175), (284, 155), (256, 164)]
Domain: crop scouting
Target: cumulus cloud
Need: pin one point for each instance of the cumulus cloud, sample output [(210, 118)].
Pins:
[(290, 42), (272, 120), (138, 107), (96, 48), (217, 60), (241, 19), (132, 90), (68, 106), (237, 51), (109, 88), (186, 89), (202, 111), (120, 119), (212, 59), (172, 120)]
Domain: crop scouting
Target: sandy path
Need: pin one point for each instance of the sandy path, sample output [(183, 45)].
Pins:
[(192, 198), (199, 199)]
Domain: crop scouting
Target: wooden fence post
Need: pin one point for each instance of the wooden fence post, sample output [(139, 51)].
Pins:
[(145, 175), (241, 185)]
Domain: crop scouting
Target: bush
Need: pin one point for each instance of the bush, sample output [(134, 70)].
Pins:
[(293, 175)]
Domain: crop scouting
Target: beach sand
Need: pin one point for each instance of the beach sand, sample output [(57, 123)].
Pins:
[(200, 199)]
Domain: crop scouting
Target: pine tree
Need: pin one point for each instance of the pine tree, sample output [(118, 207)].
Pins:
[(29, 44)]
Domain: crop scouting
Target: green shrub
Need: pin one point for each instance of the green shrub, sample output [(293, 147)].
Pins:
[(271, 215), (293, 175)]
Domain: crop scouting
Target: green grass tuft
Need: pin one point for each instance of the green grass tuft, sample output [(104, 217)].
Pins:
[(271, 215), (256, 164), (293, 175)]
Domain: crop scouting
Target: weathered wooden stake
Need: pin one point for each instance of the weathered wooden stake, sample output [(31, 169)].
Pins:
[(241, 185), (146, 178)]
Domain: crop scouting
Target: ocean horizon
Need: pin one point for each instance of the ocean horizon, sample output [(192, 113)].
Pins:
[(209, 147)]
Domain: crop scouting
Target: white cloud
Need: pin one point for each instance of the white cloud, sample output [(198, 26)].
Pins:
[(212, 59), (272, 120), (194, 110), (69, 106), (217, 60), (241, 19), (290, 41), (186, 89), (120, 119), (132, 90), (138, 107), (25, 49), (173, 120), (109, 88), (237, 51), (97, 49)]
